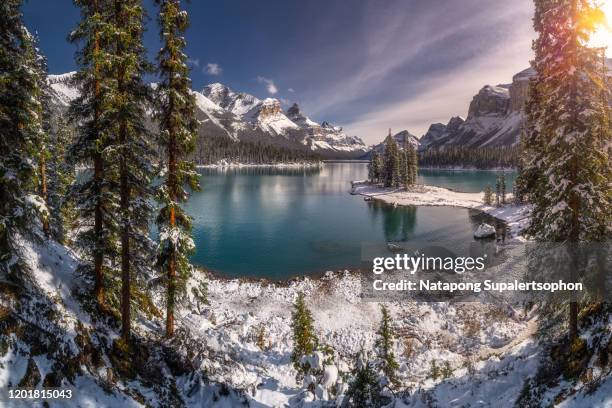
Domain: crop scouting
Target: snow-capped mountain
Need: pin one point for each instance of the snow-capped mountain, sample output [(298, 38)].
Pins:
[(403, 139), (243, 117), (324, 136), (494, 118), (268, 116)]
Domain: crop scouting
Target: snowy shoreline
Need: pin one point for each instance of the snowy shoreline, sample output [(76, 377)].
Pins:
[(466, 168), (516, 217), (292, 165)]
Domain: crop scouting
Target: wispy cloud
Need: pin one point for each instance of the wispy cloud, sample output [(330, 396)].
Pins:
[(291, 90), (194, 62), (440, 97), (424, 65), (270, 86), (213, 69)]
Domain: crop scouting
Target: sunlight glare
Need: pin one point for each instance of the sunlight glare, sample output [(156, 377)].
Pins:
[(603, 36)]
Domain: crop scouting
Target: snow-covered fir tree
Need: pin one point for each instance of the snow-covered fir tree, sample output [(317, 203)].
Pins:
[(178, 131), (130, 155), (20, 132), (567, 138), (95, 192), (404, 171), (38, 66), (497, 191), (412, 161), (304, 339), (488, 196), (365, 389), (384, 347), (61, 175), (391, 163), (374, 167)]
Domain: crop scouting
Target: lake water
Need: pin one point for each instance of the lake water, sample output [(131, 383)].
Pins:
[(468, 181), (280, 223)]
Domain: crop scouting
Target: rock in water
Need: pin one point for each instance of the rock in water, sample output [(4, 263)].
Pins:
[(484, 231)]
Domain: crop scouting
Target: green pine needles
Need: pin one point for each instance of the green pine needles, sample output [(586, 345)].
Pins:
[(384, 347), (304, 338), (178, 132)]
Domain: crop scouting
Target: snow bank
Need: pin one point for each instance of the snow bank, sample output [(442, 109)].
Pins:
[(515, 216), (221, 164)]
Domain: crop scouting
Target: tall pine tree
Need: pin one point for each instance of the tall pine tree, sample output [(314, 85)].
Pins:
[(61, 175), (20, 131), (391, 163), (384, 347), (567, 137), (412, 161), (95, 192), (304, 339), (178, 131), (131, 154)]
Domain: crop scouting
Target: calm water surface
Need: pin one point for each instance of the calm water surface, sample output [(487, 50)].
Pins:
[(279, 223), (468, 181)]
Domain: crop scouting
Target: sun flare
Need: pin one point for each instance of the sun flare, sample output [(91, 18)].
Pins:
[(603, 36)]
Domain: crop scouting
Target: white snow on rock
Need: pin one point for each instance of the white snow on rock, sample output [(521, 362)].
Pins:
[(484, 231), (65, 91)]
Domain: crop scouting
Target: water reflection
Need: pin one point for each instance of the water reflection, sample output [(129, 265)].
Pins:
[(398, 222), (282, 222)]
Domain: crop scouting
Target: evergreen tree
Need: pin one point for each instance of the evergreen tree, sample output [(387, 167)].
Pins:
[(480, 158), (503, 187), (413, 164), (447, 370), (497, 191), (365, 391), (374, 167), (488, 195), (20, 131), (178, 131), (130, 155), (434, 370), (391, 163), (304, 339), (379, 167), (61, 176), (567, 138), (40, 92), (404, 171), (384, 346), (212, 149), (95, 193)]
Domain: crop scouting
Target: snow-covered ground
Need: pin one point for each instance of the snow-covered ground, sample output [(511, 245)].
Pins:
[(230, 164), (457, 333), (516, 217)]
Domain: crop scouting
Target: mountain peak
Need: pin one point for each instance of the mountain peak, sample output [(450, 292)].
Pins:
[(294, 110)]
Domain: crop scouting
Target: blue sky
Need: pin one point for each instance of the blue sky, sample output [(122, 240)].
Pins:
[(367, 65)]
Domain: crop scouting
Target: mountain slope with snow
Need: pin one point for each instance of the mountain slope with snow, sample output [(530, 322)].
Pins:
[(243, 117), (403, 139), (495, 117)]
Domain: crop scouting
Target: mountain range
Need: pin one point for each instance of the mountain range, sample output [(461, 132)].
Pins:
[(495, 117), (243, 117)]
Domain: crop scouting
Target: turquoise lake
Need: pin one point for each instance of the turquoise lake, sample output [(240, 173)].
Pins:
[(279, 223)]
